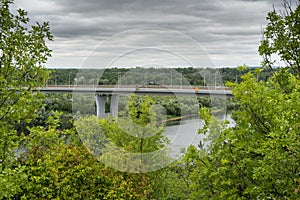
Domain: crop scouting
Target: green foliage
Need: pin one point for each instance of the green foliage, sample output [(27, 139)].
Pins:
[(282, 37), (259, 157), (63, 172), (11, 181), (181, 106), (121, 143), (23, 54), (90, 129), (112, 76), (56, 165), (51, 104), (138, 129), (115, 143)]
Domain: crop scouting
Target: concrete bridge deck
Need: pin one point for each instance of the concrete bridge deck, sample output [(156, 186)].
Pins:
[(142, 90), (102, 92)]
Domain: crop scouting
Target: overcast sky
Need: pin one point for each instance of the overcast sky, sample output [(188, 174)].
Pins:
[(108, 33)]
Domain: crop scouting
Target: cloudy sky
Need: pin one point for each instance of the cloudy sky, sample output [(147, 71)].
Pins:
[(108, 33)]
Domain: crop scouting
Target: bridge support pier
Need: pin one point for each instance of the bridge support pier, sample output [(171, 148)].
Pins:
[(100, 105), (114, 101)]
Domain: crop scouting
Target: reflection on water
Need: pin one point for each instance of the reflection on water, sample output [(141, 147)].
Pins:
[(184, 133)]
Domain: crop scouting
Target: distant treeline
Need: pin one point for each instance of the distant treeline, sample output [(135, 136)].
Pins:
[(150, 76)]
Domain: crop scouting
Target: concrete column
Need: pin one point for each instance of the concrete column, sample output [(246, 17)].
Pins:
[(114, 108), (100, 105)]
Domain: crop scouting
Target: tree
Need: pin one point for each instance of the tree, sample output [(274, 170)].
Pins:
[(259, 157), (134, 136), (23, 52), (282, 37), (44, 163)]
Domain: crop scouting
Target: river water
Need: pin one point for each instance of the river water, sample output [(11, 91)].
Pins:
[(185, 133)]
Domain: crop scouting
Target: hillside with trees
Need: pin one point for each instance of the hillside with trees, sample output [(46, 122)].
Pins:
[(156, 76)]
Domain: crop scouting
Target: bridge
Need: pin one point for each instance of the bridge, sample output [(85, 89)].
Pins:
[(114, 91)]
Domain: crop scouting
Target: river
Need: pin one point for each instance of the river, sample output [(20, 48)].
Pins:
[(185, 133)]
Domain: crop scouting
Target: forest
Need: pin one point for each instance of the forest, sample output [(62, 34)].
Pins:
[(189, 75), (48, 153)]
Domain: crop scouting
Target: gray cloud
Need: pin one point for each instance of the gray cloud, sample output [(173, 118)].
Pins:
[(228, 30)]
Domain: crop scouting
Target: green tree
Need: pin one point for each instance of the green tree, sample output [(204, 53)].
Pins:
[(121, 143), (63, 171), (137, 133), (282, 37), (23, 52), (259, 157)]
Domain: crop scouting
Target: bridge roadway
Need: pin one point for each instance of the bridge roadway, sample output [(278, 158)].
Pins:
[(142, 90), (102, 92)]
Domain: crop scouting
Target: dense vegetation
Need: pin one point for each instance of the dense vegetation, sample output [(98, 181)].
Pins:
[(42, 158), (112, 76)]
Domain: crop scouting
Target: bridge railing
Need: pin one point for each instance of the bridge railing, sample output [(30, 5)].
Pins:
[(142, 86)]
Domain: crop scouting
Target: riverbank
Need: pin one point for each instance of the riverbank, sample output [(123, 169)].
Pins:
[(171, 118), (177, 118)]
